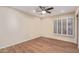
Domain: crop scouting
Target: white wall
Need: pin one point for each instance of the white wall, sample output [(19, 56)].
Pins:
[(47, 26), (16, 27)]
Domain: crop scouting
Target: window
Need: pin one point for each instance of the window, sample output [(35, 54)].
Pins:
[(59, 26), (70, 26), (64, 26)]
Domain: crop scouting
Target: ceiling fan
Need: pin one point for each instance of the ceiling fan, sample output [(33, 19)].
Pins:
[(45, 9)]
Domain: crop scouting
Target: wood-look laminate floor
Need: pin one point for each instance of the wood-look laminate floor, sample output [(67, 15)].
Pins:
[(42, 45)]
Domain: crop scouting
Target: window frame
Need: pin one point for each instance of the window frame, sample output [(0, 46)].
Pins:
[(61, 19)]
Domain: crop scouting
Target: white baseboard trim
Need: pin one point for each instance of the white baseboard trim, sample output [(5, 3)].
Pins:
[(17, 42), (59, 39)]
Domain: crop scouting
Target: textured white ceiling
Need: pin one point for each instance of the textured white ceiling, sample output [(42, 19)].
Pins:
[(57, 10)]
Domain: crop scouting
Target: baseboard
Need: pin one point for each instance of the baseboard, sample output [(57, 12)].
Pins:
[(18, 42), (57, 39)]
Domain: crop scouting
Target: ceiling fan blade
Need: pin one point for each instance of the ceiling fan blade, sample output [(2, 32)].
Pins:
[(48, 11), (41, 7), (50, 8)]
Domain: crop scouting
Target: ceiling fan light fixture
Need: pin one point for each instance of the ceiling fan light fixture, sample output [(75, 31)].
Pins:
[(43, 12)]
